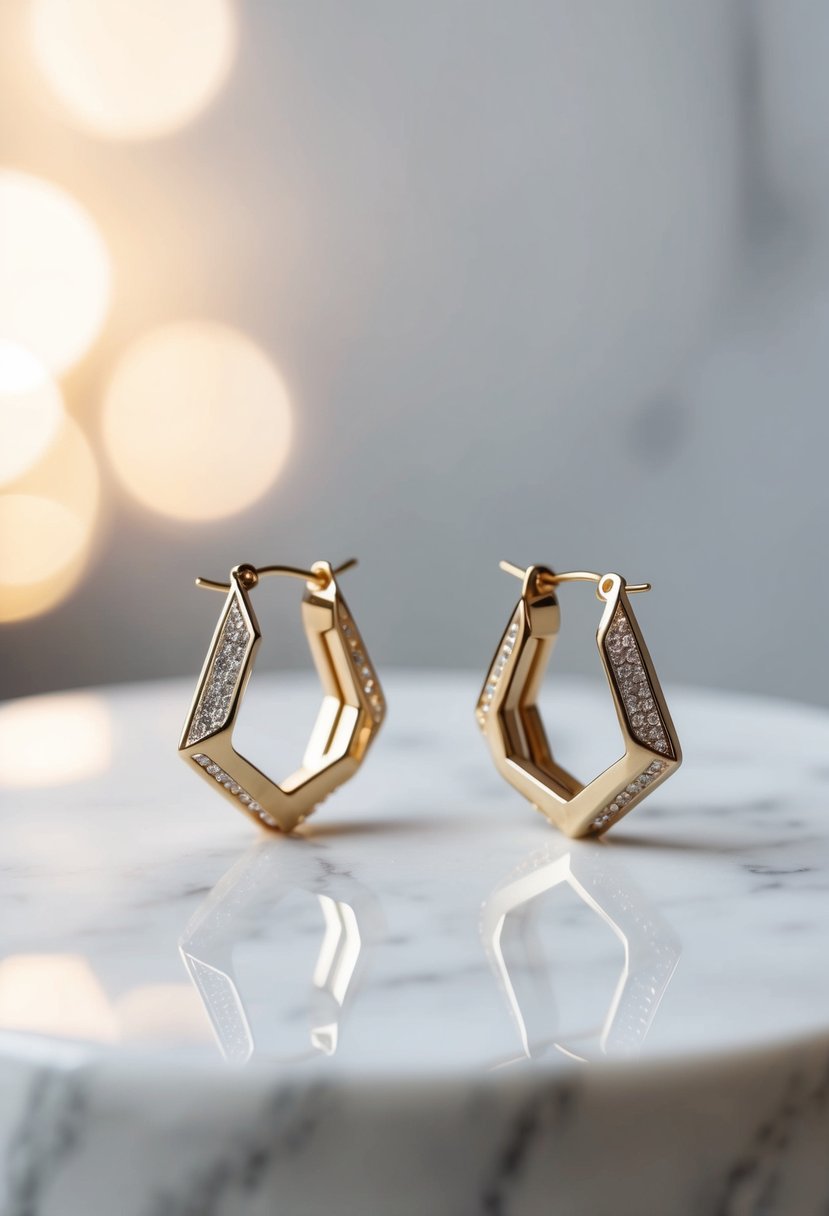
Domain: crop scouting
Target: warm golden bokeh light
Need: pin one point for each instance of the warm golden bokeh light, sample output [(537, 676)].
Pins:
[(196, 421), (54, 994), (38, 536), (31, 411), (162, 1012), (53, 740), (55, 279), (60, 995), (133, 70), (47, 520)]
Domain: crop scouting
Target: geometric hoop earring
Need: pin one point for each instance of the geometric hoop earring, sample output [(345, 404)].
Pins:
[(511, 723), (352, 711)]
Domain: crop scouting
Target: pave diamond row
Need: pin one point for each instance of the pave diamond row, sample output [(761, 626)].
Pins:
[(635, 689), (233, 787), (645, 989), (220, 997), (497, 670), (213, 706), (623, 801), (656, 958), (364, 670)]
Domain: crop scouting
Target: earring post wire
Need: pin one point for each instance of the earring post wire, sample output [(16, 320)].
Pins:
[(570, 576), (309, 576)]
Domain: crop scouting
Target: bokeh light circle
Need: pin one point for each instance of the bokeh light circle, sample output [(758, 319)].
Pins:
[(55, 994), (38, 537), (54, 739), (133, 69), (55, 281), (196, 421), (31, 410), (47, 522)]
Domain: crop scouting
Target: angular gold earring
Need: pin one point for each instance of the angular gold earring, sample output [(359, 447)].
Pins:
[(509, 718), (352, 711)]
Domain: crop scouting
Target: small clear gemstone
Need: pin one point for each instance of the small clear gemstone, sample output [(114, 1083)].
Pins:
[(632, 680), (216, 695)]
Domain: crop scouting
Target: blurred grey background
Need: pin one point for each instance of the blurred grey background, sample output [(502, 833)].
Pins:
[(546, 281)]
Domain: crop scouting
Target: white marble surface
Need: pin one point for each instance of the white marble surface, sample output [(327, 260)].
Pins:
[(428, 1002)]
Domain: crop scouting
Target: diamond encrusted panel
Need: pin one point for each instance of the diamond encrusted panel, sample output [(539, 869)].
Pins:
[(496, 671), (623, 801), (366, 675), (225, 1009), (214, 703), (634, 687), (653, 953), (233, 787)]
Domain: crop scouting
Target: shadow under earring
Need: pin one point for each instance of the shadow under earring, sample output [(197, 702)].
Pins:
[(511, 723), (352, 711)]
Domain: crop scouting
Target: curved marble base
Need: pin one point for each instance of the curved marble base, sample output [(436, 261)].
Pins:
[(429, 1002)]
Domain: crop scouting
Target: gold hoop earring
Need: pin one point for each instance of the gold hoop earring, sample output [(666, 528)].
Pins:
[(351, 714), (511, 723)]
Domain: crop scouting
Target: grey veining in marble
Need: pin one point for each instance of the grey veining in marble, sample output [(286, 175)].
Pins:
[(426, 1002)]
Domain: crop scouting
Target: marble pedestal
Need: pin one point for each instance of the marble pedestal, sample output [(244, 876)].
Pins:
[(428, 1003)]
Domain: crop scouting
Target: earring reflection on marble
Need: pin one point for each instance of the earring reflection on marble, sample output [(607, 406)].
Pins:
[(352, 710), (277, 951), (511, 723), (510, 922)]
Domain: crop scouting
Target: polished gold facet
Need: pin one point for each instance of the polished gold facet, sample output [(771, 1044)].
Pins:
[(508, 715), (352, 710)]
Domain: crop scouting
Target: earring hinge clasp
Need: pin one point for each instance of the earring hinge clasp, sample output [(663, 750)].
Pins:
[(250, 575), (549, 581)]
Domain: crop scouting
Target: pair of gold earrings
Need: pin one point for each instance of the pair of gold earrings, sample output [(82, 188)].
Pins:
[(353, 705)]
